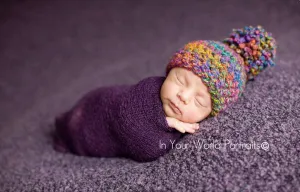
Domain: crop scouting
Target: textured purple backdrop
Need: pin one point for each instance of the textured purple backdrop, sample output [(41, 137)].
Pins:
[(52, 52)]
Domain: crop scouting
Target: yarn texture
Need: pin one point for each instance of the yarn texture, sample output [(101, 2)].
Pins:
[(256, 46)]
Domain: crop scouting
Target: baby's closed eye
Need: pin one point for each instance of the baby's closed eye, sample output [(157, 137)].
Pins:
[(199, 101)]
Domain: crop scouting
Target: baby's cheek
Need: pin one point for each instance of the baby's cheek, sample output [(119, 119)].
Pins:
[(190, 116)]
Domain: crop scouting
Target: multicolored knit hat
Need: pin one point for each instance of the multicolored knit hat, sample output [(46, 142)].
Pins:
[(225, 67)]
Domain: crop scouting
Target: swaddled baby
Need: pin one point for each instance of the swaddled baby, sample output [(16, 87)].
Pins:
[(143, 121)]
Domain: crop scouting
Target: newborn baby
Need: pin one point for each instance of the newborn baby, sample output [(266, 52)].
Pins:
[(144, 121)]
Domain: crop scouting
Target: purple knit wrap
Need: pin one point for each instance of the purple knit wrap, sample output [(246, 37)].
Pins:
[(118, 121)]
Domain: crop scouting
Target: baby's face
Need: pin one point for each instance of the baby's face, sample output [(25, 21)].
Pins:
[(185, 90)]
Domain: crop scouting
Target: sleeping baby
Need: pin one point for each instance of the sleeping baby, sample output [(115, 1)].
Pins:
[(202, 79)]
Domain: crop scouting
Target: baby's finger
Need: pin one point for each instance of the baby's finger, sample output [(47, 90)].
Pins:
[(180, 129), (196, 125), (190, 128)]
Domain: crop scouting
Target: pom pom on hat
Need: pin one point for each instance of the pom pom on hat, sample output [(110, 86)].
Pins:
[(256, 46)]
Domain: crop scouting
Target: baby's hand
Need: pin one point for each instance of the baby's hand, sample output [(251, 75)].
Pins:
[(182, 126)]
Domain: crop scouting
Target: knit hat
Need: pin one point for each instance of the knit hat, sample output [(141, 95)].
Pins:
[(225, 67)]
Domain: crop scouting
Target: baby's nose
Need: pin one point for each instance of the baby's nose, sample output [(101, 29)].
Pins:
[(185, 97)]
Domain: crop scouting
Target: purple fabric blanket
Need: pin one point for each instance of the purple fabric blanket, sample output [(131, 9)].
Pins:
[(118, 121)]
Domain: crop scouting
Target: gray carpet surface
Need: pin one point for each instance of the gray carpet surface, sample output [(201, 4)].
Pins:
[(52, 52)]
